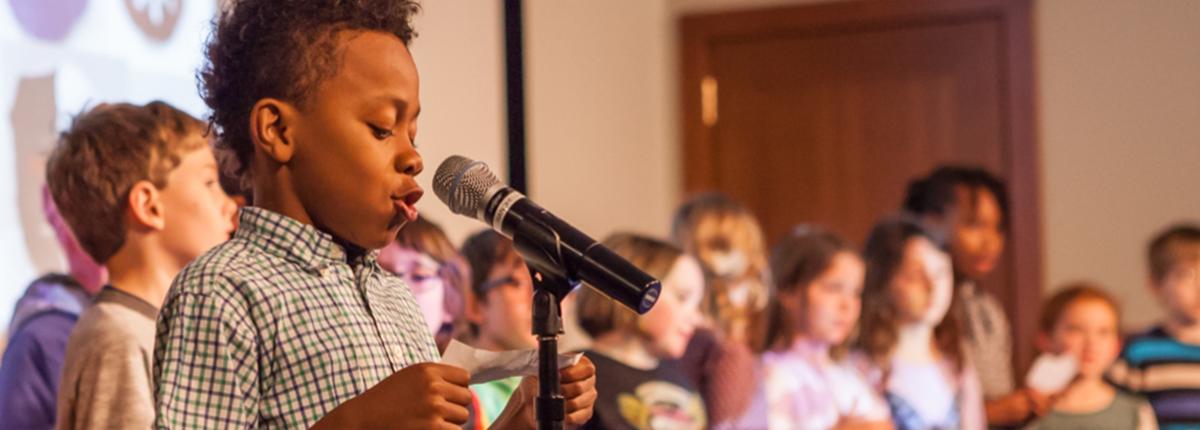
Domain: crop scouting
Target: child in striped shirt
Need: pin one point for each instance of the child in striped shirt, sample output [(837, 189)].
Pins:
[(1163, 364)]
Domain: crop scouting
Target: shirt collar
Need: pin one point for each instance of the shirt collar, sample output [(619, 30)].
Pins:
[(111, 294), (292, 240)]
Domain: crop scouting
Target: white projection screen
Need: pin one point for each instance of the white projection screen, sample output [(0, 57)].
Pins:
[(57, 57)]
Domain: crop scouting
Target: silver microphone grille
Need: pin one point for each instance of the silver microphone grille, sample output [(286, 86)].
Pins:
[(461, 183)]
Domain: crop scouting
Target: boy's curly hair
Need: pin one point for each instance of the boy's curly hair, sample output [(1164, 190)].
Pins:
[(281, 49)]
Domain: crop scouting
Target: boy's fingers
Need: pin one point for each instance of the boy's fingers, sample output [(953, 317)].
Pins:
[(579, 410), (454, 375), (584, 400), (452, 413), (574, 389), (455, 394), (584, 369)]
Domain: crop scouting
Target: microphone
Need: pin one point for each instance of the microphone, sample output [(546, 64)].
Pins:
[(549, 245)]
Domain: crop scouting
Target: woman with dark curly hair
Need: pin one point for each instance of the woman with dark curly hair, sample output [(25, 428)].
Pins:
[(293, 323)]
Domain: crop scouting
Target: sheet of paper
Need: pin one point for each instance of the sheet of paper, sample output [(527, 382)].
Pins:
[(487, 366), (1051, 373)]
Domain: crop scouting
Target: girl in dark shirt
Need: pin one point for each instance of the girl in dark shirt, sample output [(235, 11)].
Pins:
[(642, 386)]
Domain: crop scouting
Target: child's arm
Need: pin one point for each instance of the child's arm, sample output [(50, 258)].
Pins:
[(857, 424), (205, 362), (1016, 407), (971, 400), (25, 385), (1146, 418), (112, 391)]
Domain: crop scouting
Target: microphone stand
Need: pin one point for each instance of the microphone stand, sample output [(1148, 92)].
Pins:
[(547, 325), (552, 281)]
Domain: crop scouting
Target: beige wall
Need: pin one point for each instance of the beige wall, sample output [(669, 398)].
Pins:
[(1120, 135), (1119, 119), (601, 113), (460, 55)]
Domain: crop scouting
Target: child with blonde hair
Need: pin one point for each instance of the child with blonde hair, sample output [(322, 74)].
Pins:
[(726, 239)]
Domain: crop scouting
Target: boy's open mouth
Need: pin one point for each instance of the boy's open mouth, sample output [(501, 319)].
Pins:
[(405, 204)]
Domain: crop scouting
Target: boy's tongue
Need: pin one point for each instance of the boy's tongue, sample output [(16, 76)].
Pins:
[(410, 212)]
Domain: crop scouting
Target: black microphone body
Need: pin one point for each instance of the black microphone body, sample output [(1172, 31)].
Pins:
[(550, 245)]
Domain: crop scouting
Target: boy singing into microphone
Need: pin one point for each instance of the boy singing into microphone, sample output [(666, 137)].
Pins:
[(292, 323)]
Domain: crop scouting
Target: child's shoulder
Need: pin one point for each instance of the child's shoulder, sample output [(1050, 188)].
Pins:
[(1154, 338), (1127, 400), (106, 328), (1156, 345), (1151, 334), (223, 268)]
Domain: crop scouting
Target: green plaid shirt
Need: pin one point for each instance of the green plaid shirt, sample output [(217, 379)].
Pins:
[(275, 328)]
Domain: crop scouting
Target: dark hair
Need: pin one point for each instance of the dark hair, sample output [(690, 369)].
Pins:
[(1070, 294), (937, 193), (796, 262), (108, 150), (1178, 242), (282, 49), (228, 177), (483, 250), (883, 255)]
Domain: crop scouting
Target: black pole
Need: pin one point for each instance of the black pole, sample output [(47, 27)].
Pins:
[(547, 325), (514, 74)]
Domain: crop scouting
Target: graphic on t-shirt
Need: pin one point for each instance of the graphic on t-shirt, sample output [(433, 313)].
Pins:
[(659, 405)]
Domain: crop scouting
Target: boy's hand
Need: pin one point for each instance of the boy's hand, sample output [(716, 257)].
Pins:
[(1040, 404), (578, 388), (1017, 407), (422, 396), (853, 423), (579, 391)]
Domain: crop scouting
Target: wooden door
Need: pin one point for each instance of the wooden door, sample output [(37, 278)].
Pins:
[(823, 114)]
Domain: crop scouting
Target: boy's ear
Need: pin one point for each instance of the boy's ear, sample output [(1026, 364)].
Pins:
[(145, 206), (271, 126)]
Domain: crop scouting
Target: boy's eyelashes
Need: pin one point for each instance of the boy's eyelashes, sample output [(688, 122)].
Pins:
[(380, 133), (383, 133)]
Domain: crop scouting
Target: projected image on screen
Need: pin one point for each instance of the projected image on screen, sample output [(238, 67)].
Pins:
[(58, 57)]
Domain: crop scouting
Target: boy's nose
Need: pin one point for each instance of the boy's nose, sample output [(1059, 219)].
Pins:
[(410, 163)]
